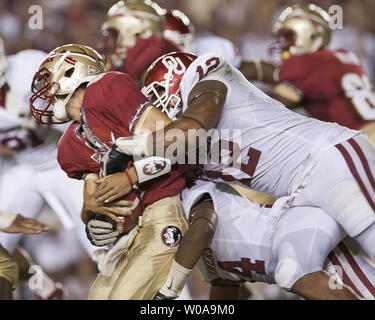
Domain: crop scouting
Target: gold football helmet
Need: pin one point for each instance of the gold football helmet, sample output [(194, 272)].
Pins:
[(301, 29), (127, 21), (60, 74)]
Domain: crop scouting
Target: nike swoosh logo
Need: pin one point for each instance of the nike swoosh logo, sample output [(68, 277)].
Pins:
[(170, 286)]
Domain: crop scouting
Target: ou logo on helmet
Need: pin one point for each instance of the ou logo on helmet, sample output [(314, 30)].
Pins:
[(174, 65)]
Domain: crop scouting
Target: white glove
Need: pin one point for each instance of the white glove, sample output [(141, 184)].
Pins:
[(101, 233), (136, 146)]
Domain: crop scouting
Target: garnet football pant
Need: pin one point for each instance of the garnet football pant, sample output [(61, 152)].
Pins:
[(343, 185), (8, 267), (143, 270)]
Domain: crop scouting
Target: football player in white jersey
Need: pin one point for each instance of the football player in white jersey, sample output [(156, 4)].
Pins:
[(270, 149), (180, 30), (289, 247), (30, 175), (250, 242)]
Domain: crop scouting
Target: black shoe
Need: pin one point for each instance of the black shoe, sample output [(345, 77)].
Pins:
[(160, 296)]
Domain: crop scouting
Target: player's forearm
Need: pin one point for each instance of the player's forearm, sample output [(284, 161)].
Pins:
[(203, 113), (180, 131), (257, 70), (89, 190), (195, 241)]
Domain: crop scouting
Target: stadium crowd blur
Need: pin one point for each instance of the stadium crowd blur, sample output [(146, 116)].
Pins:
[(248, 23)]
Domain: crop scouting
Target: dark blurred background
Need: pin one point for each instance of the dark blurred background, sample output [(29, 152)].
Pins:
[(247, 23)]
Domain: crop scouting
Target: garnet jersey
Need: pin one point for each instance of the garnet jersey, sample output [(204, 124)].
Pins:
[(29, 142), (145, 52), (262, 145), (111, 107), (333, 85)]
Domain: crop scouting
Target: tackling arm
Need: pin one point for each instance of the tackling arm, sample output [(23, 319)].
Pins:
[(205, 104), (258, 70), (203, 221)]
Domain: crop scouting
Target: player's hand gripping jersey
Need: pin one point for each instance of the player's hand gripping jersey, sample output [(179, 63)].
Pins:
[(277, 146), (333, 86), (111, 107)]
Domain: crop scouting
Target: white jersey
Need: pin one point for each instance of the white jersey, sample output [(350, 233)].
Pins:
[(234, 247), (273, 148), (30, 143), (249, 246)]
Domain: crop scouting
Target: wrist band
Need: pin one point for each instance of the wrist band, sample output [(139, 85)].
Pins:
[(7, 219), (128, 177)]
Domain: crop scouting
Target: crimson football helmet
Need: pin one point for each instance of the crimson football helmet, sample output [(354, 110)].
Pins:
[(162, 81), (179, 30), (300, 29)]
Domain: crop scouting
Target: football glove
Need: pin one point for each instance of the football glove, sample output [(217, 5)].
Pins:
[(114, 161), (160, 296), (101, 233)]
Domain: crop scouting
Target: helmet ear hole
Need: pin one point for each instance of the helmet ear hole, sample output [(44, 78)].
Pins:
[(69, 72)]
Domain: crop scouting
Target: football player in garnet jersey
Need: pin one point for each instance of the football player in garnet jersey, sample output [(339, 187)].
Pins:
[(133, 37), (73, 85), (306, 161), (30, 176), (330, 85)]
